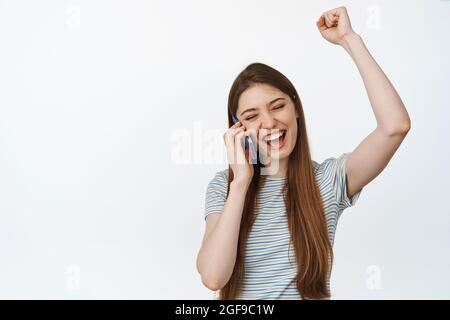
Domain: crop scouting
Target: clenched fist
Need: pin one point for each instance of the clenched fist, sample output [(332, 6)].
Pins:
[(334, 25)]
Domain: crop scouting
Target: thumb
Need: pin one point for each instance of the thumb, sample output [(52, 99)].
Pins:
[(321, 23)]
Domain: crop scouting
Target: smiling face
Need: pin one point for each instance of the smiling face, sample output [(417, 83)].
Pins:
[(270, 114)]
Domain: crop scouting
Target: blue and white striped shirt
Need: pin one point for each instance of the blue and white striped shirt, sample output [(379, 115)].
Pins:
[(270, 266)]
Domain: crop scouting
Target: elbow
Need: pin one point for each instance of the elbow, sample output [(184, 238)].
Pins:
[(406, 125), (401, 129), (212, 283)]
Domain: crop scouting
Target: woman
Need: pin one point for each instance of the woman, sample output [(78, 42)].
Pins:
[(270, 236)]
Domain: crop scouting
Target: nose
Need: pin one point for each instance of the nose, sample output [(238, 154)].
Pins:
[(267, 121)]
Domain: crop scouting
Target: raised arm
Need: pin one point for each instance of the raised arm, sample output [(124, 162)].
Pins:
[(372, 155)]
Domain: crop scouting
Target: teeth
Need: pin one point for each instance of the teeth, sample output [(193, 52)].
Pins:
[(274, 136)]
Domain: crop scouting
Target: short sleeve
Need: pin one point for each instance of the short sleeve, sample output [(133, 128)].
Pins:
[(216, 193), (334, 175)]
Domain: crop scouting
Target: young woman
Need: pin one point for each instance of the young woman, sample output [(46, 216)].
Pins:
[(270, 236)]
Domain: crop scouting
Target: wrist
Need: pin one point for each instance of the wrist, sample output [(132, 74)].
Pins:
[(239, 185), (349, 40)]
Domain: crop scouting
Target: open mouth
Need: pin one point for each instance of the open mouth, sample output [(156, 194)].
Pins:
[(276, 140)]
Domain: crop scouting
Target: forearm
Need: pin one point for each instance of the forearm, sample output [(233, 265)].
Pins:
[(217, 256), (389, 110)]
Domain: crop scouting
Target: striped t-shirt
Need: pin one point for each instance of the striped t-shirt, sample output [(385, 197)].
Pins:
[(270, 265)]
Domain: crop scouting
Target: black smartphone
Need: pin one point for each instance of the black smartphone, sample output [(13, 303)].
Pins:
[(249, 144)]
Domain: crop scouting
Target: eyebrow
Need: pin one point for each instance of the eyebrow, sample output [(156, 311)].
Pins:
[(252, 109)]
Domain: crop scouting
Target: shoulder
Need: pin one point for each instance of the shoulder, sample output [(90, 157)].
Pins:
[(332, 180), (220, 177), (219, 182), (330, 166), (216, 193)]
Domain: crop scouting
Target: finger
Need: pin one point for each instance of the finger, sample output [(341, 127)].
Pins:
[(333, 19), (228, 136), (236, 125), (239, 148), (328, 22), (321, 23), (339, 11), (230, 129), (232, 132), (231, 144), (335, 12), (229, 141)]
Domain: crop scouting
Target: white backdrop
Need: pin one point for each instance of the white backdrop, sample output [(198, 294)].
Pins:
[(111, 111)]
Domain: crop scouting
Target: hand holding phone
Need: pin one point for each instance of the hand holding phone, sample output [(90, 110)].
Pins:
[(249, 144)]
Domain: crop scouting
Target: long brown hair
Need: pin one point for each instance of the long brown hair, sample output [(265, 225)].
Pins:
[(304, 204)]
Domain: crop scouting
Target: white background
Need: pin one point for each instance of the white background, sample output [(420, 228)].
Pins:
[(93, 95)]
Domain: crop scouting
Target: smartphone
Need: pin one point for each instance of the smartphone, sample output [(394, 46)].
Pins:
[(249, 144)]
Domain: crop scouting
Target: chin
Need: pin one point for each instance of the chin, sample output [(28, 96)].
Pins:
[(282, 153)]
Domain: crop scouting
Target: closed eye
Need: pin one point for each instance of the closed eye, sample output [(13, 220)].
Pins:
[(275, 108)]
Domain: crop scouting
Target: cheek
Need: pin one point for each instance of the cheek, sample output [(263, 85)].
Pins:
[(293, 133)]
